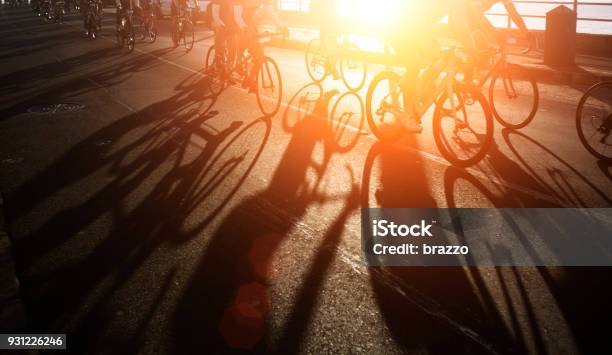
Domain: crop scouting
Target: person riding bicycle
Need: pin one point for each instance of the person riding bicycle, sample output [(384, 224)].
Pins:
[(180, 7), (247, 20), (480, 25), (223, 24), (325, 12), (84, 6), (140, 6), (122, 7), (234, 23), (414, 41)]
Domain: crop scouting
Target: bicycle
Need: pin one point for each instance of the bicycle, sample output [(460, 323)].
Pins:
[(94, 15), (319, 64), (145, 24), (183, 30), (45, 10), (594, 120), (59, 11), (125, 30), (268, 85), (514, 102), (453, 99)]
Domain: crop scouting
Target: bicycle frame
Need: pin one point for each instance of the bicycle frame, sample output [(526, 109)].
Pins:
[(255, 48), (93, 11), (184, 16), (445, 86)]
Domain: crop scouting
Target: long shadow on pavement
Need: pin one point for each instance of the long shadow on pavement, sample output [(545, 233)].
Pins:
[(227, 302), (438, 309)]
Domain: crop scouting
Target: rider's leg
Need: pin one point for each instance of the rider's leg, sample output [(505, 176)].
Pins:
[(257, 54), (84, 14), (222, 37), (333, 54), (406, 52), (118, 19), (329, 41)]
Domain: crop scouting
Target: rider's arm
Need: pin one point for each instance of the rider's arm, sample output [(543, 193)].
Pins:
[(176, 8), (270, 11), (216, 17), (516, 17), (238, 9), (460, 24)]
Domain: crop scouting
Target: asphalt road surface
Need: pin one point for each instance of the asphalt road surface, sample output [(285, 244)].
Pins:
[(150, 217)]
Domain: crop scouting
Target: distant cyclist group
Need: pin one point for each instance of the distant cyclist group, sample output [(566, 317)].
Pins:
[(449, 78)]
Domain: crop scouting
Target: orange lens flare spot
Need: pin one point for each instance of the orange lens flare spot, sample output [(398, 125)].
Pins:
[(242, 326), (255, 295)]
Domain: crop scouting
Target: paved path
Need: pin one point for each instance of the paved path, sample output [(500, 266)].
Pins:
[(156, 218)]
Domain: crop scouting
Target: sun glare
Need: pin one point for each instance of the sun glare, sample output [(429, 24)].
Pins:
[(366, 11)]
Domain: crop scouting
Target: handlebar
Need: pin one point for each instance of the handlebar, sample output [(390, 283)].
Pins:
[(284, 33)]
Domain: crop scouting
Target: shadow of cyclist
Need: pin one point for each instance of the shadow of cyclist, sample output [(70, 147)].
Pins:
[(436, 308), (227, 301)]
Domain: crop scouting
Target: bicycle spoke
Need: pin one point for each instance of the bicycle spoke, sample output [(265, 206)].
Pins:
[(463, 133), (514, 102), (594, 120), (269, 95)]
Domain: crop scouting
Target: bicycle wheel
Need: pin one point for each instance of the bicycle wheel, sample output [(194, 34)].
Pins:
[(131, 41), (92, 28), (381, 110), (463, 125), (175, 36), (346, 121), (316, 61), (594, 120), (120, 39), (139, 27), (151, 30), (188, 35), (210, 58), (353, 69), (514, 101), (215, 75), (269, 87)]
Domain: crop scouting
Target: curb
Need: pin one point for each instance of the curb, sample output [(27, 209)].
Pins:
[(12, 311), (567, 77)]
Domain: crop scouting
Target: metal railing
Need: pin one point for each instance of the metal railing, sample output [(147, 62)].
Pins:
[(304, 5), (574, 5)]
